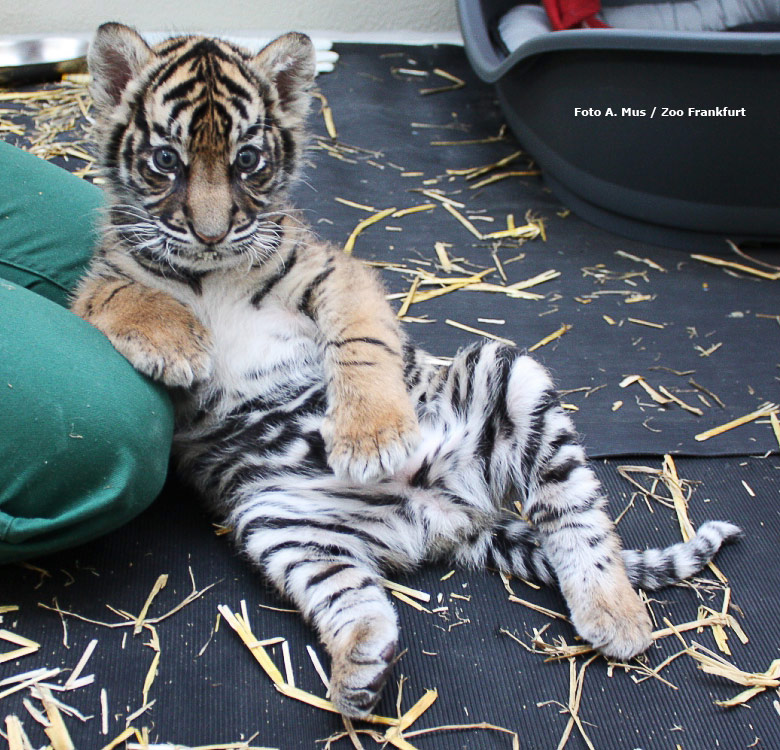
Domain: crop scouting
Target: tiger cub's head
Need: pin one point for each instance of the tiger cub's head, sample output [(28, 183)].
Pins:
[(199, 141)]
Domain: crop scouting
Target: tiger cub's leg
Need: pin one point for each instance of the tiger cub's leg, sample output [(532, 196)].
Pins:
[(564, 502), (157, 334), (513, 439), (323, 551)]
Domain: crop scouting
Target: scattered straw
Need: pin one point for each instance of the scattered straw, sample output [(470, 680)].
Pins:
[(565, 328), (17, 739), (756, 682), (463, 220), (119, 739), (693, 409), (350, 243), (159, 585), (77, 670), (317, 664), (649, 324), (765, 410), (327, 116), (455, 83), (775, 426), (538, 608), (411, 602), (26, 646), (413, 593), (504, 175), (479, 332), (57, 732), (151, 674), (260, 654), (352, 204), (655, 395), (772, 276)]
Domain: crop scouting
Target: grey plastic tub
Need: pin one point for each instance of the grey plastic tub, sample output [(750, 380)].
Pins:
[(668, 137)]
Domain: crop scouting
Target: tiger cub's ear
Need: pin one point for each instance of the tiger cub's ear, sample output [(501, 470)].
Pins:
[(116, 55), (289, 61)]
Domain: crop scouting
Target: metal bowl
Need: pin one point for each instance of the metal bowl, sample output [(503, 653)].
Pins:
[(47, 59)]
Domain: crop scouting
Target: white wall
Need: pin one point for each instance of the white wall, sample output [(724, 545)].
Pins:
[(344, 19)]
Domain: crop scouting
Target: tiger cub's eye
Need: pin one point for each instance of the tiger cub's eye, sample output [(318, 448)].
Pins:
[(165, 159), (247, 158)]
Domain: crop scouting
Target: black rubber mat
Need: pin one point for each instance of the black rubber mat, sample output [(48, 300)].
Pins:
[(209, 689), (718, 327)]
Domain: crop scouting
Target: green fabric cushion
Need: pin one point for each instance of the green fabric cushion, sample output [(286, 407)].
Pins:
[(47, 224), (85, 439)]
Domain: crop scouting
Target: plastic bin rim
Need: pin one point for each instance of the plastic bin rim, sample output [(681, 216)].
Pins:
[(491, 64)]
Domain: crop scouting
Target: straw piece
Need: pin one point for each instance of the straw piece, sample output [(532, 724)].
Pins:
[(326, 705), (318, 667), (505, 175), (480, 332), (260, 654), (456, 83), (756, 682), (352, 204), (693, 409), (119, 739), (414, 210), (565, 328), (411, 602), (737, 267), (765, 410), (103, 711), (442, 198), (350, 243), (463, 220), (77, 670), (775, 426), (537, 608), (672, 481), (637, 259), (38, 676), (414, 713), (57, 733), (413, 593), (327, 116), (649, 324), (441, 254), (151, 673), (535, 280), (655, 395), (406, 304), (26, 646), (17, 740), (288, 670)]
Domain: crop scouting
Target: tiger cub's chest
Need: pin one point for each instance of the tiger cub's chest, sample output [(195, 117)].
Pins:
[(253, 344)]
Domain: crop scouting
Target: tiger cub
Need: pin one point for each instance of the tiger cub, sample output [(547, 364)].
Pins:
[(333, 448)]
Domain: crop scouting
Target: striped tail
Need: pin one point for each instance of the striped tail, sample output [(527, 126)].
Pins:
[(654, 569)]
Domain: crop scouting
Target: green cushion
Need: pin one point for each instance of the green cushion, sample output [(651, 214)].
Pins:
[(47, 224), (85, 439)]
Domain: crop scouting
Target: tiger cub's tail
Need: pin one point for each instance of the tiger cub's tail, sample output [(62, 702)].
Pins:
[(654, 569)]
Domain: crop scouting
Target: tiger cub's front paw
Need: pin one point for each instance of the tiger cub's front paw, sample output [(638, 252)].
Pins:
[(176, 357), (365, 442), (615, 622)]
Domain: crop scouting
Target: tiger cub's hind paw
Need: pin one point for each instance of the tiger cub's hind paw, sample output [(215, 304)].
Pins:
[(360, 668), (615, 622)]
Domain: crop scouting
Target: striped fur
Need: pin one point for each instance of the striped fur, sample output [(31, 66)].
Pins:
[(333, 448)]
